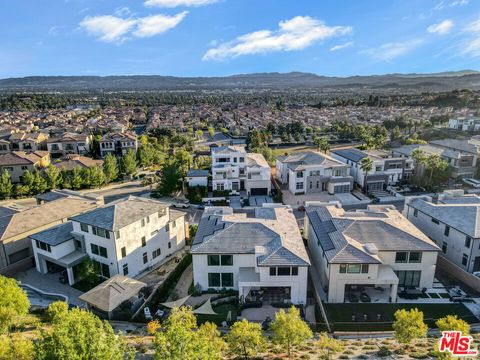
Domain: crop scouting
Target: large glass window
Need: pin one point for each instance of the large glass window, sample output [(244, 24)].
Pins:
[(125, 269), (94, 249), (294, 270), (213, 260), (354, 268), (103, 251), (468, 241), (409, 278), (464, 259), (227, 279), (283, 271), (227, 260), (401, 257), (84, 227), (145, 258), (415, 257), (213, 280), (273, 271)]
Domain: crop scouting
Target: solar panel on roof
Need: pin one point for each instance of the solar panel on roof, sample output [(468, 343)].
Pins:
[(322, 228)]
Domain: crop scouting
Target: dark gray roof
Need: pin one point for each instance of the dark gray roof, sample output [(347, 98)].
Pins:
[(55, 235), (197, 173), (296, 161), (121, 213), (352, 154)]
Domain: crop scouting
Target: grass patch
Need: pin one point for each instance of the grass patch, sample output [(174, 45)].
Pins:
[(222, 312), (340, 315)]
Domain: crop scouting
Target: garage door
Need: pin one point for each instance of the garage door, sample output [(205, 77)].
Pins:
[(339, 189), (258, 191), (375, 186)]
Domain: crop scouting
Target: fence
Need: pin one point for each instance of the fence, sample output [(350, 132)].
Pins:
[(21, 265), (457, 272)]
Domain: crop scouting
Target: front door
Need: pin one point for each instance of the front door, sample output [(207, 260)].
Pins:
[(242, 184)]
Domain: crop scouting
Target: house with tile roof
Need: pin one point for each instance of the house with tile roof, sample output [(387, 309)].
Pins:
[(118, 143), (124, 237), (260, 253), (376, 252), (452, 221), (69, 143), (313, 172), (71, 161), (17, 162)]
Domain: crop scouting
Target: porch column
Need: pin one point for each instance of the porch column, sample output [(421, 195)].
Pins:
[(393, 292), (71, 278)]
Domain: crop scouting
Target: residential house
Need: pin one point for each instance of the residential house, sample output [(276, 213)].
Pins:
[(388, 169), (5, 146), (197, 178), (260, 253), (29, 142), (452, 221), (469, 123), (234, 169), (118, 144), (69, 162), (17, 162), (313, 172), (69, 143), (18, 225), (124, 237), (375, 252)]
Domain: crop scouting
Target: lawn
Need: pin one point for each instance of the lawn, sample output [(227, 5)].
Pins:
[(222, 312), (340, 315)]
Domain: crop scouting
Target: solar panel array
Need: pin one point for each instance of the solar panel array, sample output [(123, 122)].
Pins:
[(208, 226), (322, 228)]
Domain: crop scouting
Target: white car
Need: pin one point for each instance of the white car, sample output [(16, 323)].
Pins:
[(476, 273), (184, 204), (472, 182)]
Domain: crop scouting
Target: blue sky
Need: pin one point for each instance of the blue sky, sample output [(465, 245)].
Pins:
[(224, 37)]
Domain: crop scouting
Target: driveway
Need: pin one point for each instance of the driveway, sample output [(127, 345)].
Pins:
[(259, 314), (49, 283), (235, 202), (259, 200)]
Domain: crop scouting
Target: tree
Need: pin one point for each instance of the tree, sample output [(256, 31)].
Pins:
[(110, 168), (245, 339), (327, 345), (13, 302), (366, 165), (129, 162), (6, 186), (88, 272), (170, 180), (435, 164), (39, 185), (79, 334), (322, 144), (52, 174), (56, 310), (183, 160), (27, 180), (76, 179), (289, 330), (96, 176), (16, 348), (453, 323), (211, 131), (211, 344), (409, 325), (146, 155)]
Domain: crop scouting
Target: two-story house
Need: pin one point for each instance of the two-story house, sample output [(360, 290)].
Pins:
[(452, 221), (312, 172), (261, 254), (125, 237), (17, 162), (28, 142), (369, 253), (118, 144), (468, 123), (387, 169), (234, 169), (69, 143)]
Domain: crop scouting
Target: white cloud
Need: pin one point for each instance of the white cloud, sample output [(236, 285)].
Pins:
[(459, 3), (441, 28), (389, 51), (443, 4), (108, 28), (54, 30), (342, 46), (176, 3), (122, 11), (471, 46), (157, 24), (297, 33)]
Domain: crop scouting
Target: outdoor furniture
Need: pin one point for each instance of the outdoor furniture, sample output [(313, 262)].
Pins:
[(365, 298), (352, 297)]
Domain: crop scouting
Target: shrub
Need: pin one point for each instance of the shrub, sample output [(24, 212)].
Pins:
[(56, 308), (384, 352), (153, 326)]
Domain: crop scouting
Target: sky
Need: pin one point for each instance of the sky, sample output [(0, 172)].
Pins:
[(225, 37)]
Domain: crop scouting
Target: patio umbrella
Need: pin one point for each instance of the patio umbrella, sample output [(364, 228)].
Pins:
[(229, 315), (176, 303), (205, 309)]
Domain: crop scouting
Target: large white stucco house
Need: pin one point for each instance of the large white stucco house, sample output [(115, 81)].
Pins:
[(375, 252), (124, 237), (452, 220), (235, 169), (312, 172), (260, 253)]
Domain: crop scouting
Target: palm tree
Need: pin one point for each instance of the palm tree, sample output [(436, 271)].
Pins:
[(366, 165)]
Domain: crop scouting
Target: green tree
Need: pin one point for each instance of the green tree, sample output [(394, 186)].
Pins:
[(96, 176), (289, 330), (39, 185), (27, 180), (76, 178), (16, 348), (327, 345), (211, 345), (453, 323), (409, 325), (52, 175), (6, 186), (129, 163), (79, 334), (110, 168), (13, 302), (322, 144), (146, 155), (170, 180), (435, 164), (245, 339), (183, 160), (88, 272), (366, 165), (211, 131), (56, 310)]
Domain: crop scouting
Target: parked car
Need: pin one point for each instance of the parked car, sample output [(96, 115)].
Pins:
[(472, 182), (233, 193), (476, 273), (147, 313), (184, 204)]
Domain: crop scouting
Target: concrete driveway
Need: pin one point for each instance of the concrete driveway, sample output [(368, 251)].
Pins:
[(259, 200)]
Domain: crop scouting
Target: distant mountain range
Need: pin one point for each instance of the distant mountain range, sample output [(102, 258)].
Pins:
[(445, 81)]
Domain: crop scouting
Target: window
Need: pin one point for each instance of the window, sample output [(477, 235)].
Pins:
[(84, 227), (408, 278), (148, 219), (213, 260), (213, 280), (124, 252), (167, 228), (444, 247), (117, 234), (378, 168), (300, 174), (294, 271), (299, 186), (145, 258), (364, 268), (227, 279), (143, 222), (415, 257), (43, 246), (354, 268), (226, 260), (125, 269), (100, 232), (103, 251), (343, 268), (94, 249), (154, 232), (465, 259), (447, 230), (401, 257), (315, 173), (435, 221), (169, 245), (156, 253), (273, 271), (283, 271), (105, 270), (174, 224), (241, 159), (144, 241), (468, 241)]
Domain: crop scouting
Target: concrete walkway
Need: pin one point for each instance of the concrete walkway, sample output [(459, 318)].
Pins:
[(49, 283)]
